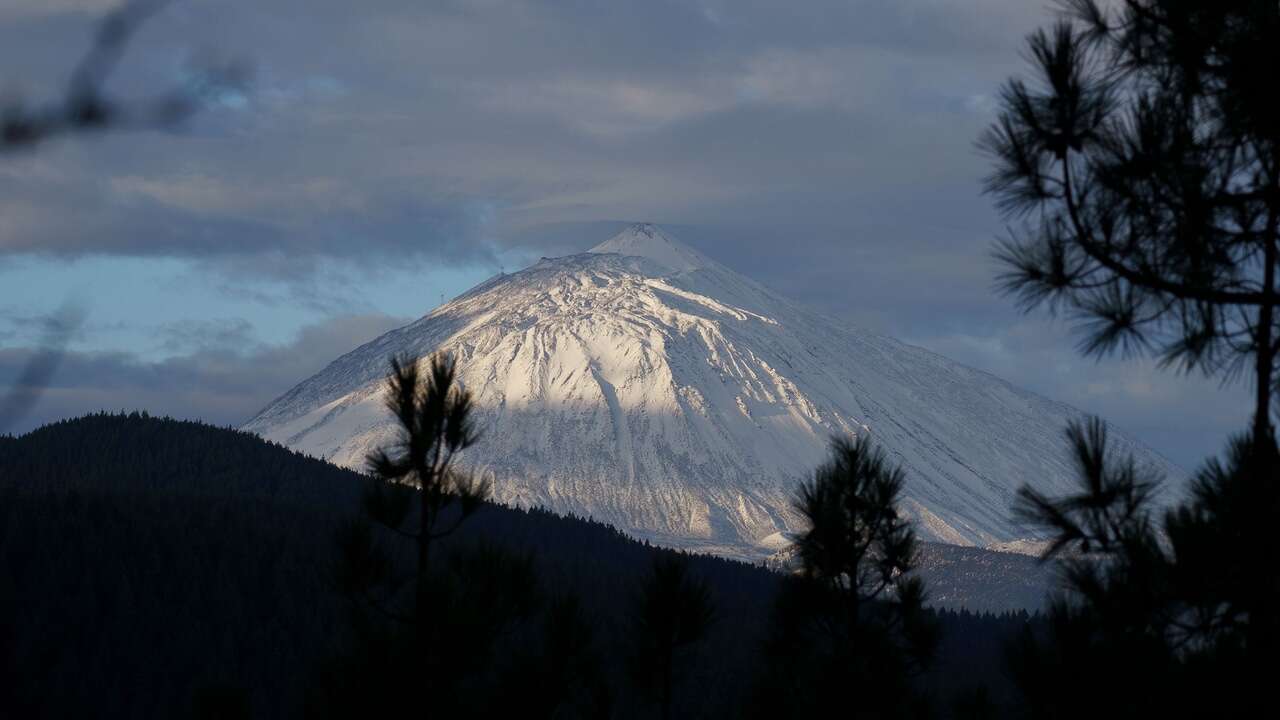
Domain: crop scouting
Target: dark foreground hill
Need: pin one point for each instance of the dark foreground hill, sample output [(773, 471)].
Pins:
[(149, 564)]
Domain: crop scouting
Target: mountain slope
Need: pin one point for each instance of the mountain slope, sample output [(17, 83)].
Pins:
[(644, 385)]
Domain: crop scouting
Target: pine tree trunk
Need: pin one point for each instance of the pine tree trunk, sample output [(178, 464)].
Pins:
[(422, 589), (1262, 429)]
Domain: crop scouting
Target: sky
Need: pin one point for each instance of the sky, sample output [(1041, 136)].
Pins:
[(386, 155)]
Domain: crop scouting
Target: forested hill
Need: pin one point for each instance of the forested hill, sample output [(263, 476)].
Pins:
[(138, 453), (151, 565)]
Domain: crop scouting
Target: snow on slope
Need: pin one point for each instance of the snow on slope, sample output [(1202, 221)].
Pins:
[(646, 386)]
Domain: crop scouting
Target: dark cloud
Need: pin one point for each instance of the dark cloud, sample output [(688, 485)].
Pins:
[(221, 380), (440, 129), (825, 148), (280, 231)]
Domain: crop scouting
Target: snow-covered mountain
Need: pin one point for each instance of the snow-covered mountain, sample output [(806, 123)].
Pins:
[(646, 386)]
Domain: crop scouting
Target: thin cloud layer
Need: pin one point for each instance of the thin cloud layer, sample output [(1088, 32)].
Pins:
[(216, 376)]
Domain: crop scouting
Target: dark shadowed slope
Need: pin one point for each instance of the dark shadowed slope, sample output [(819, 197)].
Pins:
[(147, 561)]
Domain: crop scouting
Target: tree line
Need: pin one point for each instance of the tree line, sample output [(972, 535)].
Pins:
[(163, 568)]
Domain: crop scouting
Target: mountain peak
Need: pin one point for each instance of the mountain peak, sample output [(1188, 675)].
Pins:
[(682, 406), (649, 241)]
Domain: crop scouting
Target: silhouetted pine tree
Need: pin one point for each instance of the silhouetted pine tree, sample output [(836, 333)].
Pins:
[(1144, 165), (417, 493), (478, 638), (850, 632), (1147, 165), (1174, 615), (415, 486), (673, 611), (435, 425)]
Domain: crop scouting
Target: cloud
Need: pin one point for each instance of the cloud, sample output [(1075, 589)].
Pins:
[(603, 107), (367, 135), (214, 335), (208, 213), (825, 148), (16, 9), (220, 379)]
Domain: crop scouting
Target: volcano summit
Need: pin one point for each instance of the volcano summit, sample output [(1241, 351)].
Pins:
[(646, 386)]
